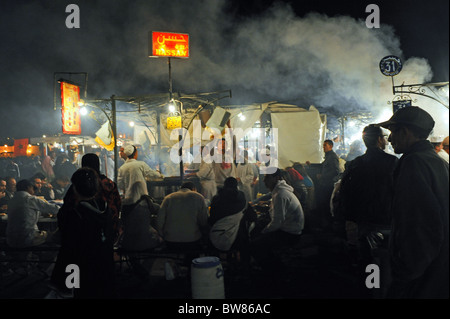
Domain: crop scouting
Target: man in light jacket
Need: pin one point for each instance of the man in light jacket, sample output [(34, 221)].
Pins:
[(285, 227), (24, 210), (182, 220)]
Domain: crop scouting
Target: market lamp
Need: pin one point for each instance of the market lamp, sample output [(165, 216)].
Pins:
[(83, 108), (171, 107), (174, 117)]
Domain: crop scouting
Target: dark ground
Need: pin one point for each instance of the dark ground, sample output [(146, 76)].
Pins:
[(318, 268)]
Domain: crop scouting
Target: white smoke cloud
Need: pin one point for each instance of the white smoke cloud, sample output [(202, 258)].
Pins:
[(320, 60), (316, 59)]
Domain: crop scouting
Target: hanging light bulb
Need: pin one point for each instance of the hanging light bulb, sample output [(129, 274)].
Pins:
[(241, 116), (83, 110)]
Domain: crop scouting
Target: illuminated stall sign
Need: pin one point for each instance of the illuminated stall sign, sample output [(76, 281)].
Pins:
[(396, 105), (174, 121), (20, 147), (70, 96), (172, 45)]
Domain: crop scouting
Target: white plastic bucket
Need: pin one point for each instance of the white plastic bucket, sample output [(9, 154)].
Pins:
[(207, 278)]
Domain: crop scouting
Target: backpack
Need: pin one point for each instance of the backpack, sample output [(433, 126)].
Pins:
[(224, 232)]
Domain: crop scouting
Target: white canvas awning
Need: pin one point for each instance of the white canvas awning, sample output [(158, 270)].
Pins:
[(300, 134), (301, 131)]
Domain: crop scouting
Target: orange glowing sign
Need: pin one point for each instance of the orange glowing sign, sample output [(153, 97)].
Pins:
[(21, 147), (70, 96), (172, 45)]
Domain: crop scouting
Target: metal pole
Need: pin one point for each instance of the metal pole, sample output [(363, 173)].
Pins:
[(114, 129), (158, 149), (393, 86), (170, 77), (54, 91), (85, 85), (180, 152), (343, 119)]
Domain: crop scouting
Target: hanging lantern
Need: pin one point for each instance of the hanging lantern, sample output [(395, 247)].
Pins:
[(174, 120)]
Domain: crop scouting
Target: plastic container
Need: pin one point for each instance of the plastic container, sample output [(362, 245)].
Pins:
[(207, 278)]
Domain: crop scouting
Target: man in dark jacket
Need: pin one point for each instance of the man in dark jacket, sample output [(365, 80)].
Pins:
[(419, 242), (329, 175), (367, 184), (365, 200)]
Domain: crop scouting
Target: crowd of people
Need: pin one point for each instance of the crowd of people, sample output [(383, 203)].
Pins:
[(391, 209)]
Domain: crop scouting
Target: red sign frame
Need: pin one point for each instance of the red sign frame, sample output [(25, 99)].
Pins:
[(170, 45), (70, 96)]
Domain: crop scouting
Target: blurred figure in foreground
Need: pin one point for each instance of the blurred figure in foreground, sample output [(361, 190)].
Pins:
[(419, 245)]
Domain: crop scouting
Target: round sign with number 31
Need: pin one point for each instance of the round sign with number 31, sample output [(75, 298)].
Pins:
[(390, 65)]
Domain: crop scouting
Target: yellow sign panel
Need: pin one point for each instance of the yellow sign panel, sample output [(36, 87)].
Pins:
[(173, 121)]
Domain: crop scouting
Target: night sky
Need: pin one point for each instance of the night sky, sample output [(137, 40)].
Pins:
[(306, 52)]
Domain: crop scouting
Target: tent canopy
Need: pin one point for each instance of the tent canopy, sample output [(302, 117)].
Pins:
[(299, 132)]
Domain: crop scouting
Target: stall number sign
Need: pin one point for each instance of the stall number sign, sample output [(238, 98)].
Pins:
[(390, 65), (400, 104)]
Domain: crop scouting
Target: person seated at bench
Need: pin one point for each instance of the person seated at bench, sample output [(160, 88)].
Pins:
[(138, 233), (285, 226), (24, 210), (7, 191), (182, 219), (3, 196), (60, 186), (44, 188), (230, 218)]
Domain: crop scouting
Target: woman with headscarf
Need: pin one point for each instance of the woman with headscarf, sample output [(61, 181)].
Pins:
[(109, 191), (87, 241)]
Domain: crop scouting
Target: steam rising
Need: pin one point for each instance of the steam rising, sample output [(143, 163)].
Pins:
[(314, 60)]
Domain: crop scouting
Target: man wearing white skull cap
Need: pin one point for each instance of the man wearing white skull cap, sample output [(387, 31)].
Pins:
[(133, 176)]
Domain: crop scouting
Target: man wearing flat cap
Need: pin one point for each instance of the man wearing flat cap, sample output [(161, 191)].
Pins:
[(419, 242), (132, 178)]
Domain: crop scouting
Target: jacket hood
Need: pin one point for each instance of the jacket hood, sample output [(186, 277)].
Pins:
[(282, 185)]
